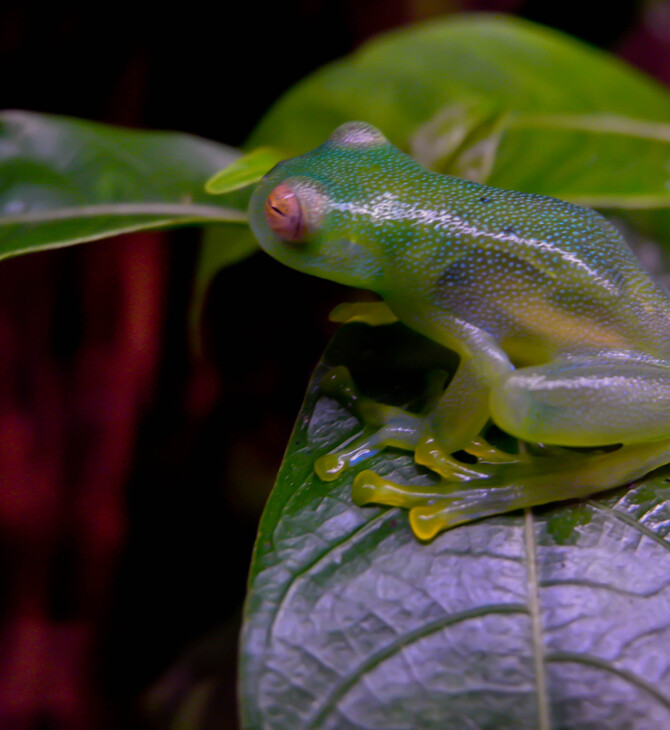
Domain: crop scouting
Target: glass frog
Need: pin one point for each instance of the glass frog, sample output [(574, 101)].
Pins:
[(563, 339)]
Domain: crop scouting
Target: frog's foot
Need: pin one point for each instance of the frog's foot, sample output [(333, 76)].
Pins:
[(384, 426), (401, 433), (428, 453), (489, 454), (550, 478)]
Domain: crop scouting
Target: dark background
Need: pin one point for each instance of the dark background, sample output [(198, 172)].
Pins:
[(132, 475)]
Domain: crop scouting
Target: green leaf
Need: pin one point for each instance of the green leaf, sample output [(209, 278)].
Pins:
[(404, 78), (498, 99), (65, 181), (597, 160), (462, 139), (555, 619), (244, 171)]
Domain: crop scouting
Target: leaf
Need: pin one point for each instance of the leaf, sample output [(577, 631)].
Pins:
[(65, 181), (462, 139), (244, 171), (597, 160), (556, 619), (538, 110), (402, 79)]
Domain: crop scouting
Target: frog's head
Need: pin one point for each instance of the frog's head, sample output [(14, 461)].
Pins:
[(307, 211)]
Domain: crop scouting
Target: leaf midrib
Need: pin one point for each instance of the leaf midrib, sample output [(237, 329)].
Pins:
[(543, 715), (181, 210)]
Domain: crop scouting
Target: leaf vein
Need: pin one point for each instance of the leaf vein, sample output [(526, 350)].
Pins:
[(601, 586), (544, 722), (631, 521), (361, 532), (402, 642), (598, 663), (124, 209)]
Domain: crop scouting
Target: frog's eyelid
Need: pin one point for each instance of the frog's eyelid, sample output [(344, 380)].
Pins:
[(297, 221), (284, 213)]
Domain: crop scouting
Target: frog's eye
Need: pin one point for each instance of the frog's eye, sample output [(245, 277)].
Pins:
[(284, 214)]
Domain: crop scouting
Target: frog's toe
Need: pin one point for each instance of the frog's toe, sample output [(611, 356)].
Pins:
[(460, 506), (428, 521), (372, 488), (428, 453), (489, 454), (330, 466), (372, 313), (431, 509)]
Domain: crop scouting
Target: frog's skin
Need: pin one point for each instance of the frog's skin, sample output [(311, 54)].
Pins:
[(564, 341)]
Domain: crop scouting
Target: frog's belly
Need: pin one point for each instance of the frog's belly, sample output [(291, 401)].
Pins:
[(535, 311), (534, 323), (538, 336)]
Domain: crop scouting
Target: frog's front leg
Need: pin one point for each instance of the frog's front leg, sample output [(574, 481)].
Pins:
[(384, 426), (451, 420), (460, 415), (456, 422)]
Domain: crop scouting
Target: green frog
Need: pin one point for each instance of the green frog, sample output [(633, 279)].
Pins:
[(563, 339)]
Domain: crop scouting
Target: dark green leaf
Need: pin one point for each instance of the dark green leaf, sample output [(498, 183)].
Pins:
[(64, 181), (556, 619)]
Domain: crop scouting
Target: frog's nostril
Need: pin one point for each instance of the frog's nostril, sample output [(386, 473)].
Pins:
[(284, 213)]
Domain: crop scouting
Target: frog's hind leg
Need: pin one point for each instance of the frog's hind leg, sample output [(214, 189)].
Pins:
[(571, 475), (617, 401), (607, 398)]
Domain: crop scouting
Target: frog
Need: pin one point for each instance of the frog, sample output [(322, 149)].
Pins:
[(562, 338)]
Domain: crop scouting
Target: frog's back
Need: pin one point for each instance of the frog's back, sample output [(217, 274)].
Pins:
[(540, 274)]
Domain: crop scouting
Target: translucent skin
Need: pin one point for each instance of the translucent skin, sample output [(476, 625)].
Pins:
[(564, 340)]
